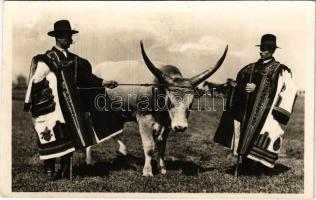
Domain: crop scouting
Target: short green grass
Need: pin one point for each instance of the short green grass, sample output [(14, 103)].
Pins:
[(194, 162)]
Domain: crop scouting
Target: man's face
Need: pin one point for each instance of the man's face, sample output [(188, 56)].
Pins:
[(266, 53), (64, 40)]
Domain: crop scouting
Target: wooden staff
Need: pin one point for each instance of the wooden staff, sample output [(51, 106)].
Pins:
[(71, 164)]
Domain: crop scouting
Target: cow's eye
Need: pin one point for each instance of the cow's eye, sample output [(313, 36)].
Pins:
[(170, 104)]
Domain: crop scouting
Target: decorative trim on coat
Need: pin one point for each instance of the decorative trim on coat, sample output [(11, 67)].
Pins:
[(281, 115)]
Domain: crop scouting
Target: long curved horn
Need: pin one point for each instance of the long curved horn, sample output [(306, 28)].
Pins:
[(206, 74), (159, 74)]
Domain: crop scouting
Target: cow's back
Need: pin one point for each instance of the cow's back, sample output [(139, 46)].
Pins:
[(134, 71), (126, 72)]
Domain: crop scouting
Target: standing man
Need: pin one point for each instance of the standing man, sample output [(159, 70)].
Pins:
[(259, 104), (60, 114)]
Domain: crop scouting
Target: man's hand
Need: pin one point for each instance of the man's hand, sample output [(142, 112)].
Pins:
[(250, 87), (110, 84)]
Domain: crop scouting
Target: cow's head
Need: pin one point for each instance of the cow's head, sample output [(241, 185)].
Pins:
[(179, 91)]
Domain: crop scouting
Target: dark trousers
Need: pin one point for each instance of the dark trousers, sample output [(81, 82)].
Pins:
[(49, 166), (65, 165), (252, 167)]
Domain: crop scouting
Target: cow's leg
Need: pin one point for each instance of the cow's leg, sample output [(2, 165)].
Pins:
[(89, 159), (161, 145), (146, 132), (122, 147)]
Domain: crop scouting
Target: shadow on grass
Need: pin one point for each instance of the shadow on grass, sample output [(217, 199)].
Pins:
[(104, 168), (278, 169), (131, 162), (188, 168)]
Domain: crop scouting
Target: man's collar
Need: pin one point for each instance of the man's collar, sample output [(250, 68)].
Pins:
[(265, 62), (268, 60), (60, 49)]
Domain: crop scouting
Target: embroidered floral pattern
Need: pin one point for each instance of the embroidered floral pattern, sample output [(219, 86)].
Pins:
[(277, 144), (264, 93), (46, 134)]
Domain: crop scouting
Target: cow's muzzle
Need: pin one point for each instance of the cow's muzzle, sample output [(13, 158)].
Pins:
[(179, 128)]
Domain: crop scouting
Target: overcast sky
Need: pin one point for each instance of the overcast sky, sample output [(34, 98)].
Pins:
[(190, 35)]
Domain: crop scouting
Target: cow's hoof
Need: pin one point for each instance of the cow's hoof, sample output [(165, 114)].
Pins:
[(120, 154), (147, 171), (148, 174), (160, 138), (123, 152), (163, 171)]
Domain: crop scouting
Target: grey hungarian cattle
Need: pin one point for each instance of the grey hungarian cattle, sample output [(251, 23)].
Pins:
[(157, 109)]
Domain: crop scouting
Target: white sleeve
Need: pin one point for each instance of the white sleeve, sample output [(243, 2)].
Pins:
[(282, 109), (41, 72)]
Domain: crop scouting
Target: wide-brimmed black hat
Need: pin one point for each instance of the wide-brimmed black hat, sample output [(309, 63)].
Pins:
[(61, 26), (268, 41)]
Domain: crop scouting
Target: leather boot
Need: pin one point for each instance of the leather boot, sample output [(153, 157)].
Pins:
[(246, 166), (49, 167), (251, 167), (65, 166)]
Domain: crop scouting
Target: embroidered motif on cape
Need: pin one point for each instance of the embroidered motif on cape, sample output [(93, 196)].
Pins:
[(46, 134)]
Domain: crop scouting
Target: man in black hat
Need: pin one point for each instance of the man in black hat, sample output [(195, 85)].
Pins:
[(60, 112), (259, 105)]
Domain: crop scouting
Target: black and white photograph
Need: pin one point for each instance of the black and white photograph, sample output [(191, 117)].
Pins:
[(158, 99)]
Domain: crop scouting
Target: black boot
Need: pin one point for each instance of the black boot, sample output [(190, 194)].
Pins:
[(246, 166), (65, 166), (257, 168), (49, 167), (251, 167)]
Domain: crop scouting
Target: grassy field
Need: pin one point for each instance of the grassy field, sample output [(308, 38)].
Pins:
[(194, 162)]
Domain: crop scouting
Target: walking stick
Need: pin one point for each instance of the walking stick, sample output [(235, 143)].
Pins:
[(71, 164), (243, 122), (71, 157)]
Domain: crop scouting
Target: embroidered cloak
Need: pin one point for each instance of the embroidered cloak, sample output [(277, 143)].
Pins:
[(69, 127), (251, 126)]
